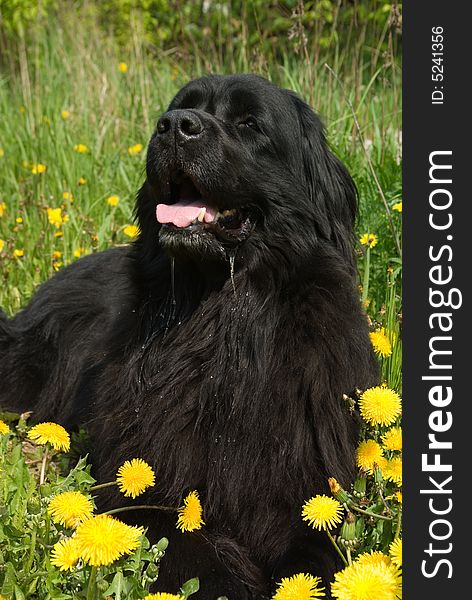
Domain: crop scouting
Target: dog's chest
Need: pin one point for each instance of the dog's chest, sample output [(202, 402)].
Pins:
[(214, 405)]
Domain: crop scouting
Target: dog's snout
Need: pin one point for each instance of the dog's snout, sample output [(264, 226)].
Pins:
[(181, 123)]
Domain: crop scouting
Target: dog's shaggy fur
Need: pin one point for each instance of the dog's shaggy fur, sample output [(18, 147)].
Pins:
[(227, 383)]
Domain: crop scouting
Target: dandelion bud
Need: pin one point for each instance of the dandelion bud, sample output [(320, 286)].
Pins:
[(347, 535), (161, 546), (378, 477), (360, 486), (338, 492), (152, 571), (350, 402)]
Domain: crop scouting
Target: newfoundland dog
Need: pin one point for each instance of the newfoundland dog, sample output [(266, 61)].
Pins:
[(219, 345)]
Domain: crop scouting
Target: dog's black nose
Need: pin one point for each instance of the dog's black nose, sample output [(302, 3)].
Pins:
[(182, 123)]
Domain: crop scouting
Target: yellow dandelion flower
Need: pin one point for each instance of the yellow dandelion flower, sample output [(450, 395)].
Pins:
[(380, 405), (4, 428), (65, 554), (122, 67), (396, 551), (369, 454), (134, 477), (392, 439), (18, 252), (65, 114), (299, 587), (366, 582), (81, 148), (322, 512), (381, 343), (369, 239), (56, 254), (82, 181), (102, 539), (135, 149), (78, 252), (131, 231), (58, 234), (163, 596), (191, 514), (56, 265), (393, 470), (50, 433), (70, 508), (19, 219), (56, 218), (373, 558), (38, 169), (398, 497), (398, 207), (2, 245), (113, 200), (3, 208), (68, 196)]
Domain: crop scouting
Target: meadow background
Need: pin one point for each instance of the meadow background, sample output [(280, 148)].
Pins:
[(82, 84)]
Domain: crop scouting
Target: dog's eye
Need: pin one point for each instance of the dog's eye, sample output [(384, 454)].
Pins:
[(249, 122)]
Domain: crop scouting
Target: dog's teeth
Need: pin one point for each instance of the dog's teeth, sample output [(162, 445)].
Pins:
[(201, 214), (228, 213)]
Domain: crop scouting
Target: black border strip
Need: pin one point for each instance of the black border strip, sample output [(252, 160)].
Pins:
[(427, 128)]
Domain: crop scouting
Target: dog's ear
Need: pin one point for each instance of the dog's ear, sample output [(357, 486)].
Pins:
[(331, 188)]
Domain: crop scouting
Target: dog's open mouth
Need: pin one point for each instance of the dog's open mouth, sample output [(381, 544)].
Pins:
[(189, 213)]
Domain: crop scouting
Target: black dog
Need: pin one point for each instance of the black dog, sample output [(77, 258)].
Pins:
[(217, 347)]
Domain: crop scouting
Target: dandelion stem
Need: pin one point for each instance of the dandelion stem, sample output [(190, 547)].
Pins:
[(379, 490), (91, 584), (48, 528), (114, 511), (338, 550), (365, 282), (399, 525), (42, 475), (348, 553), (370, 514), (100, 486)]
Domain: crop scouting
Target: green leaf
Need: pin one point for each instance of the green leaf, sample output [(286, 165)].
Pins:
[(9, 581), (118, 586), (190, 587), (19, 594)]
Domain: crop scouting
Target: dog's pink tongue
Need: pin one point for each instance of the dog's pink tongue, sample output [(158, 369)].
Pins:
[(182, 214)]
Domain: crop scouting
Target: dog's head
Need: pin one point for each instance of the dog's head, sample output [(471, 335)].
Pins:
[(237, 161)]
